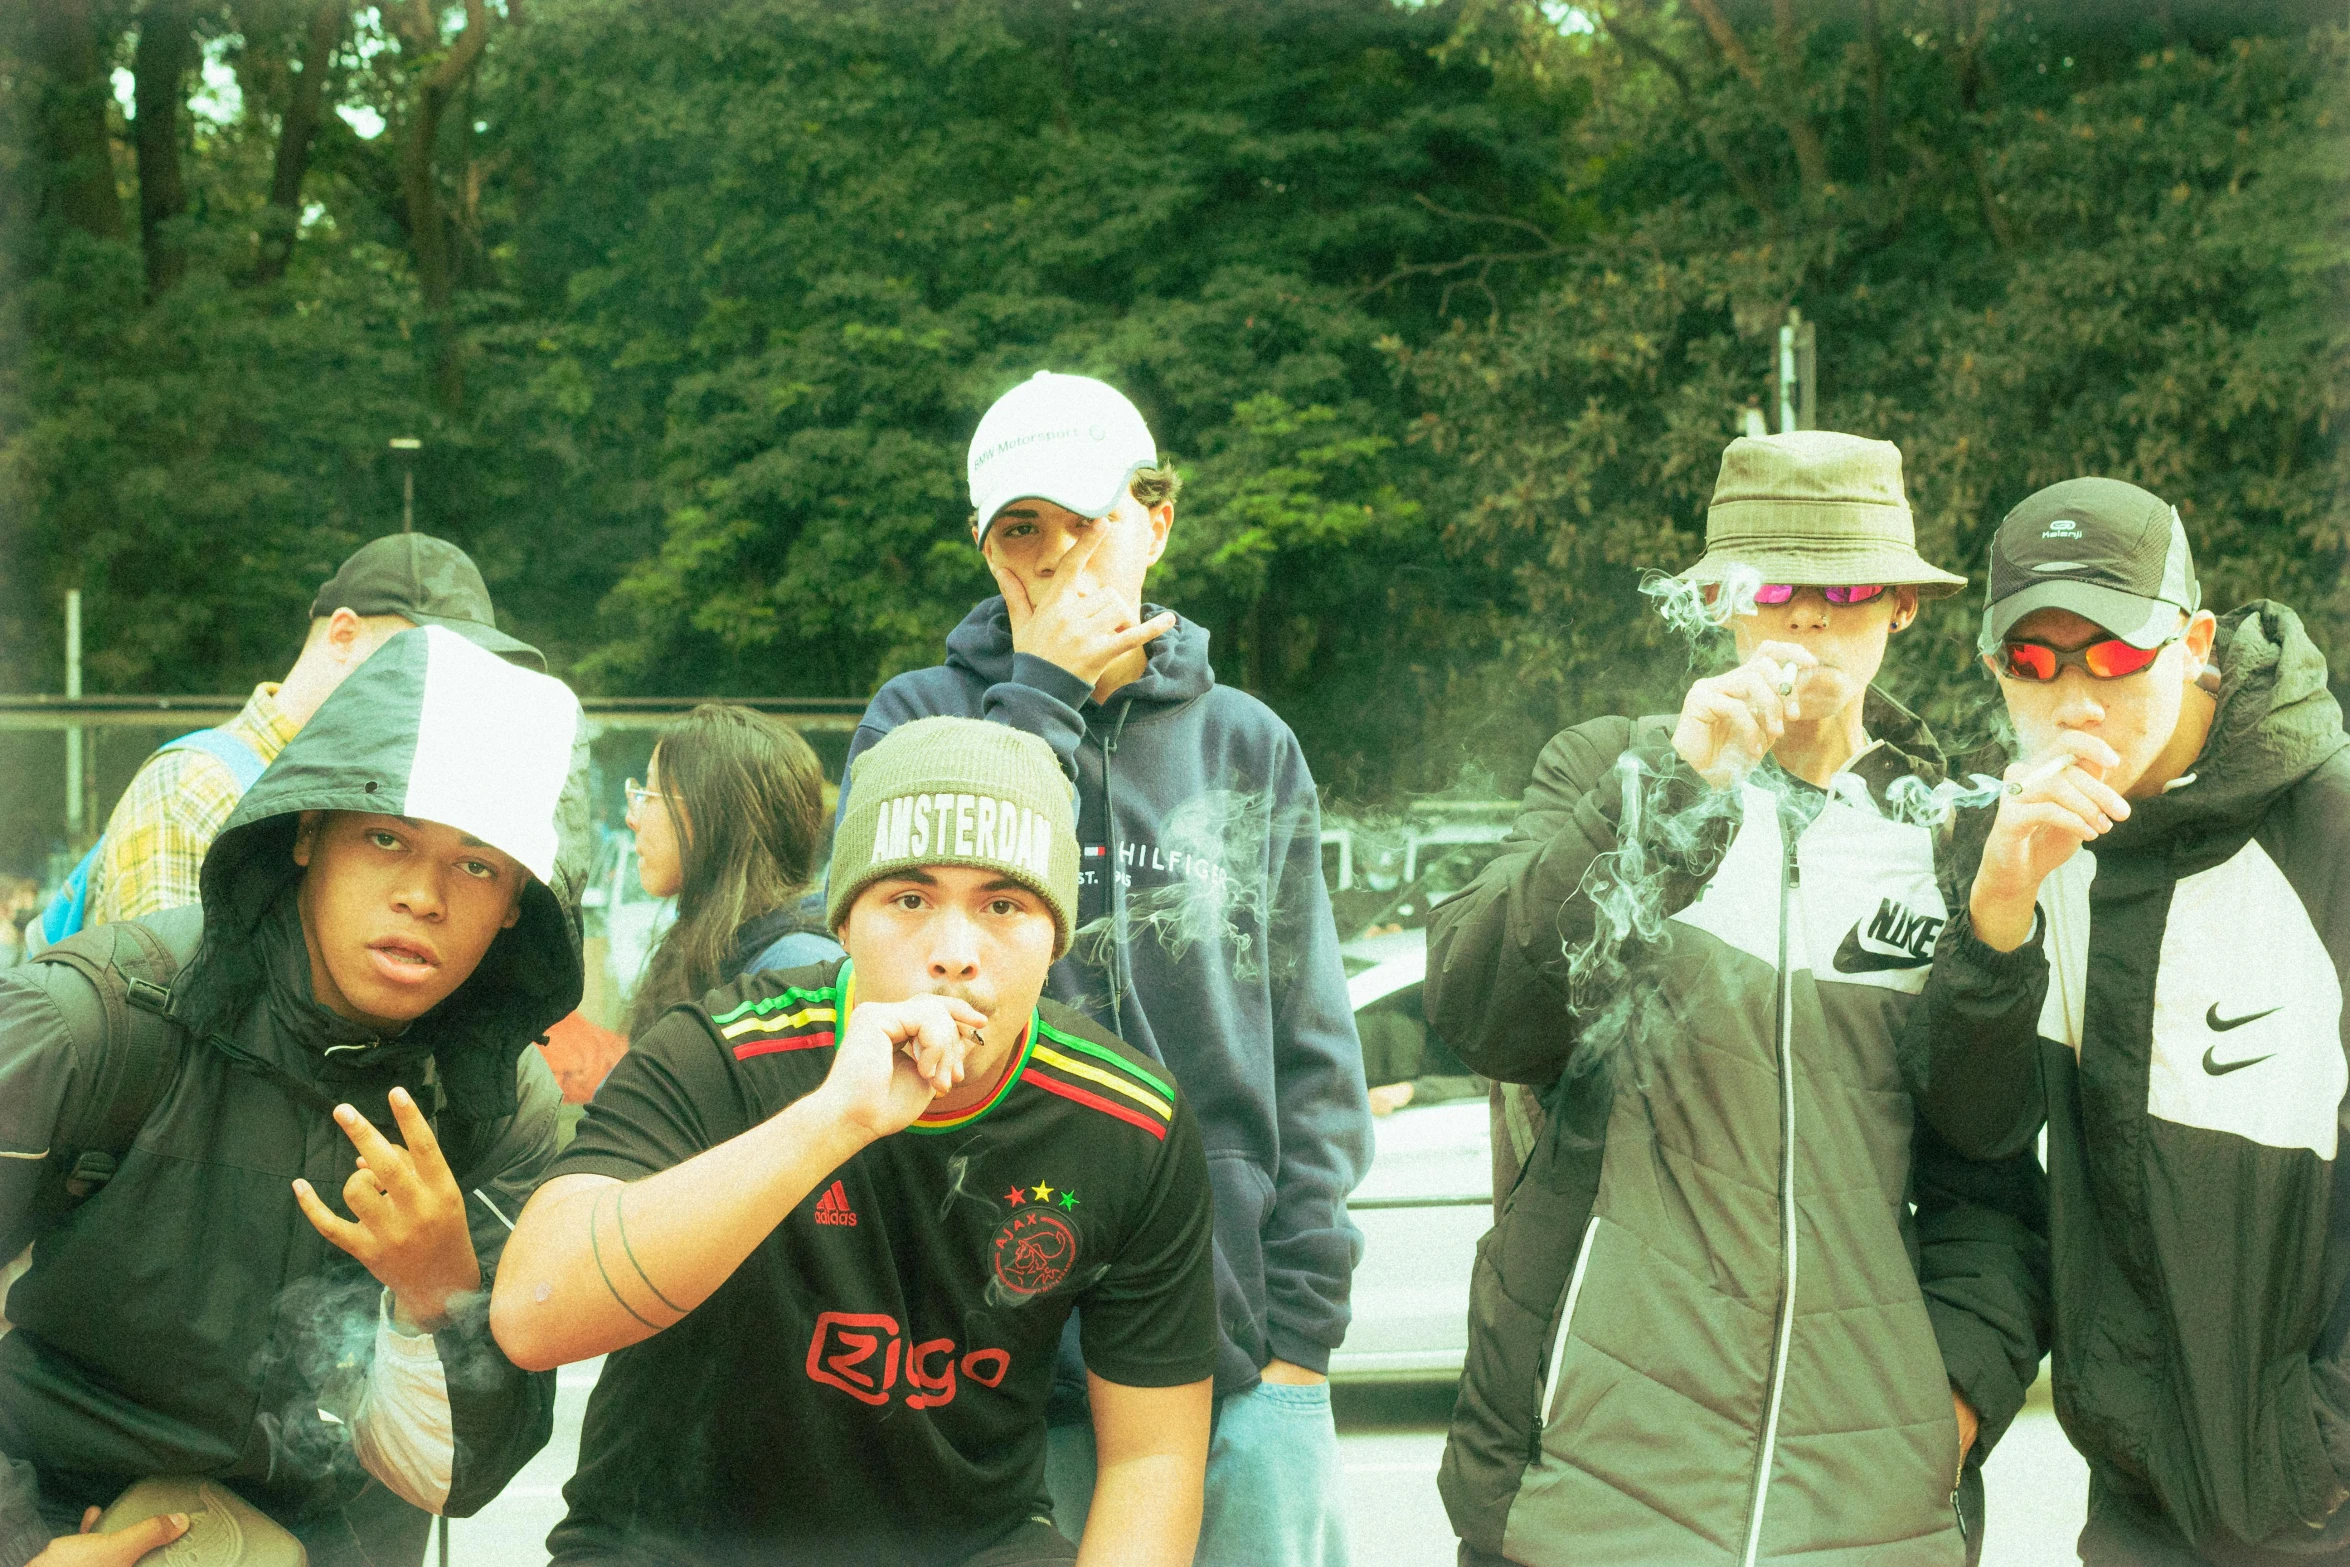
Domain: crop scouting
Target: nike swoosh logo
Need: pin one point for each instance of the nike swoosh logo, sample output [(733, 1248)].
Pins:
[(1853, 958), (2220, 1025), (2212, 1065)]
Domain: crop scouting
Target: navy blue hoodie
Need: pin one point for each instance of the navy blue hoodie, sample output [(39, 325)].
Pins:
[(1211, 947)]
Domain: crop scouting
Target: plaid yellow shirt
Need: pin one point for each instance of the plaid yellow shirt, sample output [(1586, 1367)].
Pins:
[(168, 817)]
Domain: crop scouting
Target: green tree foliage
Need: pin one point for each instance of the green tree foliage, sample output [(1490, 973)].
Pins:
[(2048, 243), (1444, 310), (798, 271)]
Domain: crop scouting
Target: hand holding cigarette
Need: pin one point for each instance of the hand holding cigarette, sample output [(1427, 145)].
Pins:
[(2051, 803), (1730, 722), (896, 1057)]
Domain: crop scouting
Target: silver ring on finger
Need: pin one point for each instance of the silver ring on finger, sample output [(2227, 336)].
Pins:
[(2014, 787)]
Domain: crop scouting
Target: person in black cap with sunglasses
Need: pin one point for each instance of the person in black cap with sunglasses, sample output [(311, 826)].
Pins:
[(2149, 960)]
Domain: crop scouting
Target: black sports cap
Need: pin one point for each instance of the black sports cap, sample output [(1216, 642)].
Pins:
[(427, 580), (2108, 551)]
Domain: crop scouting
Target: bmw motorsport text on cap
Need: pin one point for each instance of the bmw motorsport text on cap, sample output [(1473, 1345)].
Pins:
[(2108, 551), (1067, 439)]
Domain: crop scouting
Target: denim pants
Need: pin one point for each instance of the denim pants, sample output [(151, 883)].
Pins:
[(1275, 1493)]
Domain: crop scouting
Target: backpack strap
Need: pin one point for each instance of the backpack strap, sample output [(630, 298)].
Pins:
[(66, 912), (243, 763), (130, 967)]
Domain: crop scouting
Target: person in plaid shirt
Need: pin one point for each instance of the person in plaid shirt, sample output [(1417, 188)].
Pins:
[(176, 806)]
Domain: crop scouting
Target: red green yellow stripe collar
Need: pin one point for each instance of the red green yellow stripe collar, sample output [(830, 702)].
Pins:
[(847, 1004)]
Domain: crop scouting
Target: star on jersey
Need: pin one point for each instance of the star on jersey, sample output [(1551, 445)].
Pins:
[(1042, 1192)]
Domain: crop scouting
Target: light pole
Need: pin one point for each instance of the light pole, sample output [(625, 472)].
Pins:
[(407, 446), (1792, 379), (73, 734)]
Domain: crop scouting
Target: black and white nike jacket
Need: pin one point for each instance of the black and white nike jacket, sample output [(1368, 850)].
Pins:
[(2176, 1021)]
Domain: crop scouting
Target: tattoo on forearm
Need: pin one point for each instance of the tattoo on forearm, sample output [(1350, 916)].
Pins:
[(596, 1248), (620, 1215)]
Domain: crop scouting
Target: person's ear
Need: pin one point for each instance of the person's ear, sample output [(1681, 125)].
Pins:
[(1905, 608), (305, 837), (1162, 521), (346, 635), (2202, 631), (513, 912)]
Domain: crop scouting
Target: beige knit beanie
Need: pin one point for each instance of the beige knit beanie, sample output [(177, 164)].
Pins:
[(959, 791)]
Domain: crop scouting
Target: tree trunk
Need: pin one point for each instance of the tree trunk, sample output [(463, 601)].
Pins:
[(1873, 43), (429, 240), (1970, 35), (281, 219), (79, 151), (1783, 100), (159, 71)]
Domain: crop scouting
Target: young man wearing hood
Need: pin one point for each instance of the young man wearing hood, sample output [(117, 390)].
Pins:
[(1205, 937), (2149, 961), (1738, 1307), (281, 1291)]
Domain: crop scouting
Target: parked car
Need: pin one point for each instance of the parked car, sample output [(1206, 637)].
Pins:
[(1386, 875), (1429, 1193)]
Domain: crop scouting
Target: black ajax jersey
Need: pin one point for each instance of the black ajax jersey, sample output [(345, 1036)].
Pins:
[(870, 1385)]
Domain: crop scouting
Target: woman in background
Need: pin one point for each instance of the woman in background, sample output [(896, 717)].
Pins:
[(729, 821)]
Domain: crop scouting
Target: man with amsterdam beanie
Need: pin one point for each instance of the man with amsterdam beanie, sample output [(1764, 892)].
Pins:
[(843, 1212), (2149, 960), (1196, 816)]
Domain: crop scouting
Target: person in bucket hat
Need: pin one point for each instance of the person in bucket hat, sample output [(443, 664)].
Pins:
[(1699, 945), (845, 1211)]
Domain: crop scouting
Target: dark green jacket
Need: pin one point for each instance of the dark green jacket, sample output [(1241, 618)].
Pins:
[(187, 1319), (2176, 1022), (1694, 1337)]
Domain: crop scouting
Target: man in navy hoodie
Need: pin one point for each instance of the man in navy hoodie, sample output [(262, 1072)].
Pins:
[(1205, 933)]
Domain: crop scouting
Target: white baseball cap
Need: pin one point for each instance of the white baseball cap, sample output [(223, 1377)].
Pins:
[(1068, 439)]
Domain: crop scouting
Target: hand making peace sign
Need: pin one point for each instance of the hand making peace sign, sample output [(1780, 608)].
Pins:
[(410, 1227)]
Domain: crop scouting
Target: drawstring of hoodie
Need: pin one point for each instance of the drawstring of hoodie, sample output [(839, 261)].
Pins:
[(1120, 973)]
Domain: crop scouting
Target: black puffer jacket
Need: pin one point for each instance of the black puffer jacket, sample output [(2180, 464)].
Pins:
[(187, 1319), (2177, 1023)]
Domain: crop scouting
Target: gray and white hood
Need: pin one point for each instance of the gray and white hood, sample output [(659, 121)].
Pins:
[(432, 728)]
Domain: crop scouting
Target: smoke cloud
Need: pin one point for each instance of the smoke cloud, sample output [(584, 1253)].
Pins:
[(1214, 848)]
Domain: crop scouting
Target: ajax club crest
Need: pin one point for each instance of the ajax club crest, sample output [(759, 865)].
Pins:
[(1034, 1249)]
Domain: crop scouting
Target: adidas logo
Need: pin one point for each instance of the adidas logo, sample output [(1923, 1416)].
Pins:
[(833, 1207)]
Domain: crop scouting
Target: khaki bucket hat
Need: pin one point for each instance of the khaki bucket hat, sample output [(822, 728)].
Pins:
[(1816, 509)]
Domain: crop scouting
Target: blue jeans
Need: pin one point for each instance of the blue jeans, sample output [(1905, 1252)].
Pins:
[(1275, 1494)]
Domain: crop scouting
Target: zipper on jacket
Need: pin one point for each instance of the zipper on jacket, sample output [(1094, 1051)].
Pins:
[(1558, 1348), (1789, 877)]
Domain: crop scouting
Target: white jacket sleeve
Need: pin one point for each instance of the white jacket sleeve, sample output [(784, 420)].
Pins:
[(403, 1432)]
